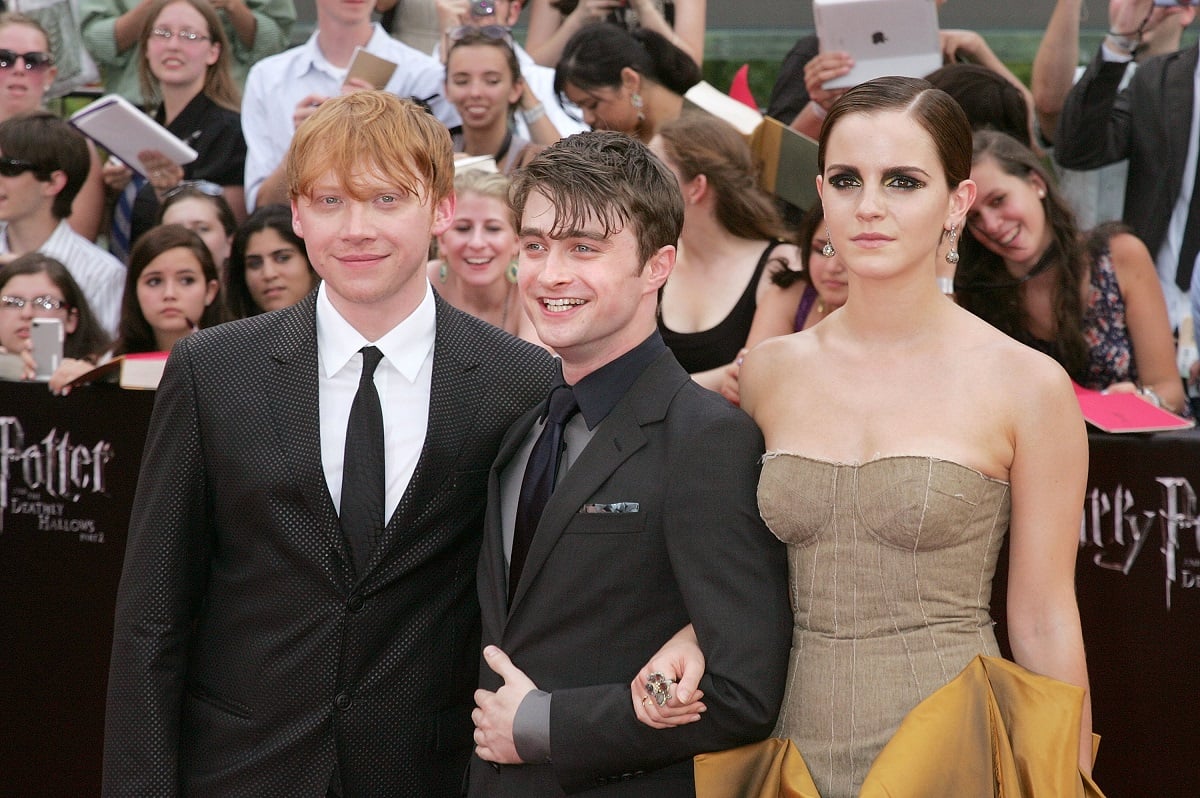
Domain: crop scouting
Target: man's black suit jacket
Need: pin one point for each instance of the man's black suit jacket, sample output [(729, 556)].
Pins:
[(247, 657), (1148, 123), (601, 592)]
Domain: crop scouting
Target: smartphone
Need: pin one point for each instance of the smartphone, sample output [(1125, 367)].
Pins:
[(483, 8), (46, 335)]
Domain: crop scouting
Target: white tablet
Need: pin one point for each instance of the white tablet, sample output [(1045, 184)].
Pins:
[(885, 37)]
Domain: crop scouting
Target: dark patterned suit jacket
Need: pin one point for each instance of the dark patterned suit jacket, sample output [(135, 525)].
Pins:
[(602, 591), (247, 658)]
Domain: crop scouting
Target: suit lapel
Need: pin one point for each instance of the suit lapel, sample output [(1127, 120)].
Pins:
[(1176, 90), (293, 395), (616, 439)]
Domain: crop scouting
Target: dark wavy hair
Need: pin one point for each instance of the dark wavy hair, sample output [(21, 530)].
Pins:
[(810, 223), (985, 287), (594, 57), (90, 338), (267, 217), (135, 333), (988, 99), (609, 177)]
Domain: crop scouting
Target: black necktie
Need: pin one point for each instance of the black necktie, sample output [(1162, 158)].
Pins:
[(538, 483), (1191, 239), (362, 467)]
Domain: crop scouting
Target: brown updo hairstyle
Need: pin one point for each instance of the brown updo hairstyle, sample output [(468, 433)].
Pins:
[(701, 144)]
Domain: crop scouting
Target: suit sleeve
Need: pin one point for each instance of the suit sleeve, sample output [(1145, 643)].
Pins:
[(162, 584), (1094, 128), (732, 573)]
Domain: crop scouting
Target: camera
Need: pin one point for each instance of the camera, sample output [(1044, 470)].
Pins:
[(483, 8)]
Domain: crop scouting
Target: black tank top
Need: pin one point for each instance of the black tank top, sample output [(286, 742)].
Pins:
[(709, 349)]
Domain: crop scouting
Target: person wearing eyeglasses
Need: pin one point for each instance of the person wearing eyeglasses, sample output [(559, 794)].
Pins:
[(43, 163), (285, 90), (185, 67), (35, 286), (255, 29), (27, 71)]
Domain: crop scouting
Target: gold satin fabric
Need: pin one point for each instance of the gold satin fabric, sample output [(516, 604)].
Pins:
[(994, 730)]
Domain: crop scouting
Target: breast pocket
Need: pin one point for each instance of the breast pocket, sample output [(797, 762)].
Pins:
[(606, 524)]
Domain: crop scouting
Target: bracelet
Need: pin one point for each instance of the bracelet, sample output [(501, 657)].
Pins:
[(531, 115), (1124, 44), (818, 110), (1150, 395), (945, 285)]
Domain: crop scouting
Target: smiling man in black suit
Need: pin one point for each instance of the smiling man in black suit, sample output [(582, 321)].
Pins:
[(297, 612), (653, 523)]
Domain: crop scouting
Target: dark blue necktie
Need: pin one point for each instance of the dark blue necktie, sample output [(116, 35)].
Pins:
[(362, 467), (540, 474)]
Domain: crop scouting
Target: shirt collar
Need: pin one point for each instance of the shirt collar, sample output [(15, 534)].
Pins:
[(406, 346), (599, 392), (315, 59)]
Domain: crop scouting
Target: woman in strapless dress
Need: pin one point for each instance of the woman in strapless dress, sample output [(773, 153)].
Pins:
[(905, 438)]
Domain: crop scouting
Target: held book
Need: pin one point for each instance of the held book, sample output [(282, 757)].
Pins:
[(142, 371), (787, 160), (120, 128), (1126, 412)]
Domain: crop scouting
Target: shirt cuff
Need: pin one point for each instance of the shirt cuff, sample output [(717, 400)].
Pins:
[(531, 728), (1112, 55)]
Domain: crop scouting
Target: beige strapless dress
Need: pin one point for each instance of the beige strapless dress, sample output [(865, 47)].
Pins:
[(890, 565)]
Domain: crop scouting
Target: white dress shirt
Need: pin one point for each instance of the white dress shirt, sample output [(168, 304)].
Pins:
[(277, 84), (403, 379)]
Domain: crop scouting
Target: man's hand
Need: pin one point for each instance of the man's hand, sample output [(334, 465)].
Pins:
[(494, 712)]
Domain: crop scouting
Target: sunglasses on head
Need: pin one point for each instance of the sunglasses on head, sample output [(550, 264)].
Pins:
[(11, 167), (205, 187), (35, 60)]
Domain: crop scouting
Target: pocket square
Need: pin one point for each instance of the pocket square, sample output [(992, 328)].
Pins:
[(615, 507)]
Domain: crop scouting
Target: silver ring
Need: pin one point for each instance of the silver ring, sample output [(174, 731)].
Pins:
[(658, 687)]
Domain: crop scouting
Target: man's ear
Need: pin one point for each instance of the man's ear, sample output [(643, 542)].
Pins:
[(56, 183), (659, 267), (443, 215), (297, 227)]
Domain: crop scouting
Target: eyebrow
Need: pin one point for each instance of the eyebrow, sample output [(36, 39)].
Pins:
[(891, 170), (537, 232)]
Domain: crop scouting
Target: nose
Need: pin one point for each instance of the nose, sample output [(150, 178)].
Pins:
[(870, 203), (589, 117), (985, 220), (357, 221), (555, 270)]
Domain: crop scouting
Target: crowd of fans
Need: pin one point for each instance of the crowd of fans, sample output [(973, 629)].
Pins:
[(1050, 254)]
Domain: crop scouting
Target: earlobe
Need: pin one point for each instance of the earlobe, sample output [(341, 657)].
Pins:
[(659, 267), (962, 198), (211, 294), (631, 79), (297, 228), (443, 215)]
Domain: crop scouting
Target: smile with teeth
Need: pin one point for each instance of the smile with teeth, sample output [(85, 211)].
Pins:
[(478, 261), (1008, 239), (560, 305)]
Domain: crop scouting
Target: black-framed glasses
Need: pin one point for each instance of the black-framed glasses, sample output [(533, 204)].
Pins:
[(12, 167), (205, 187), (497, 33), (35, 60), (45, 302), (166, 34)]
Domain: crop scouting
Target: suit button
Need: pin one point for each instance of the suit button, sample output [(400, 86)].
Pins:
[(355, 604), (343, 701)]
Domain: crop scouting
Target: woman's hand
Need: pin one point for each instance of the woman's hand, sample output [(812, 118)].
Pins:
[(115, 175), (822, 69), (163, 173), (681, 661), (68, 370)]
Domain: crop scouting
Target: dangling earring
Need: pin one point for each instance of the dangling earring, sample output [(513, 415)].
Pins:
[(442, 272), (952, 253), (828, 250), (635, 100), (511, 272)]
